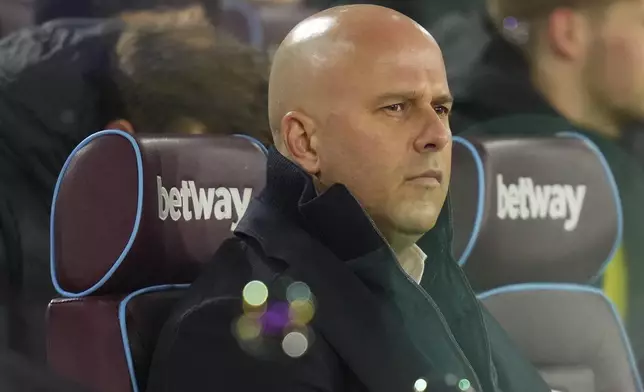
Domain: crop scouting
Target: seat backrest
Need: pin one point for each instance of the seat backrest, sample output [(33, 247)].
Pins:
[(133, 220), (537, 220), (537, 209)]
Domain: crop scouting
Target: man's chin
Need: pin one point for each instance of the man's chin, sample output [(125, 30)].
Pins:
[(418, 220), (417, 227)]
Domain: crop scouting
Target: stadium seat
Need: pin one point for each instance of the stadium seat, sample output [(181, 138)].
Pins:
[(133, 220), (536, 220), (538, 209), (572, 333)]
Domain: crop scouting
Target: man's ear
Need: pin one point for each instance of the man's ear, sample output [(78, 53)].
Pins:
[(568, 33), (122, 125), (299, 138)]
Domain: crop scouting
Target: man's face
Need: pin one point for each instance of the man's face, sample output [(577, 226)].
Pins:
[(615, 65), (386, 135)]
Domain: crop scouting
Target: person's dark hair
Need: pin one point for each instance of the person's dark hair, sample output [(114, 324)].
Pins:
[(46, 10), (170, 79)]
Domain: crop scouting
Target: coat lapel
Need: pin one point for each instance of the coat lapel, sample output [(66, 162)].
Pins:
[(323, 238), (369, 339)]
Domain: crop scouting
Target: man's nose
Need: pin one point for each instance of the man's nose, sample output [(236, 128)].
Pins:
[(434, 136)]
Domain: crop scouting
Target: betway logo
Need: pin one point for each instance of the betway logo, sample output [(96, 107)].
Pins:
[(191, 202), (525, 200)]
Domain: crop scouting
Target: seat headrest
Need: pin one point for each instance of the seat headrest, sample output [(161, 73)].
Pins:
[(131, 212), (533, 210)]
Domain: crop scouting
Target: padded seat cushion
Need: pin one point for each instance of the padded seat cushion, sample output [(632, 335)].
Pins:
[(564, 327)]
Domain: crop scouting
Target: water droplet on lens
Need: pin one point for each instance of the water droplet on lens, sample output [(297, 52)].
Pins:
[(298, 291), (295, 344), (248, 328), (420, 385), (464, 385), (301, 312), (255, 293), (276, 318), (510, 23)]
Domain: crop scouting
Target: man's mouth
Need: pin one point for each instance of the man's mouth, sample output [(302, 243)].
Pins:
[(429, 178)]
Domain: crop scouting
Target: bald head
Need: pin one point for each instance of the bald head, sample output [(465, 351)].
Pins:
[(320, 56), (358, 96)]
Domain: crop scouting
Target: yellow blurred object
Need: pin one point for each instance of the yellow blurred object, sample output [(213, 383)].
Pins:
[(301, 312), (616, 282), (248, 328), (255, 294)]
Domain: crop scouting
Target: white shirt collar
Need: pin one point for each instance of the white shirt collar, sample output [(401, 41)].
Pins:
[(412, 260)]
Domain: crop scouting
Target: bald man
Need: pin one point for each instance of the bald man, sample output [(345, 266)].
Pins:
[(323, 288)]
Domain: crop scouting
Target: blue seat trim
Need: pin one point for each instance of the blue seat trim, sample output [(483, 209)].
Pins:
[(254, 141), (615, 189), (480, 198), (576, 288), (123, 324), (137, 220)]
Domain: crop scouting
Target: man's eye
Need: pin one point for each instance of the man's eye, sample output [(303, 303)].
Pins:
[(396, 108), (441, 110)]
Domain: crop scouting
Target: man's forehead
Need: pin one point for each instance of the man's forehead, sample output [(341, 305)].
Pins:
[(410, 59), (393, 70)]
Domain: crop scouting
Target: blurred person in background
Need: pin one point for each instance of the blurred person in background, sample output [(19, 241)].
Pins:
[(425, 12), (456, 25), (48, 10), (237, 17), (569, 65), (190, 80), (16, 14), (66, 79)]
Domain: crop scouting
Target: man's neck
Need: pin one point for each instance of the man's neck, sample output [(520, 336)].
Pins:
[(569, 97)]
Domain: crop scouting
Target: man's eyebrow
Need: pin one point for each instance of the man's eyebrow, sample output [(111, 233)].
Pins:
[(393, 95), (443, 99), (403, 95)]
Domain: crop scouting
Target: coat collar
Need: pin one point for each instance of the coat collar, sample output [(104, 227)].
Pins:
[(315, 235), (335, 215), (330, 217)]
